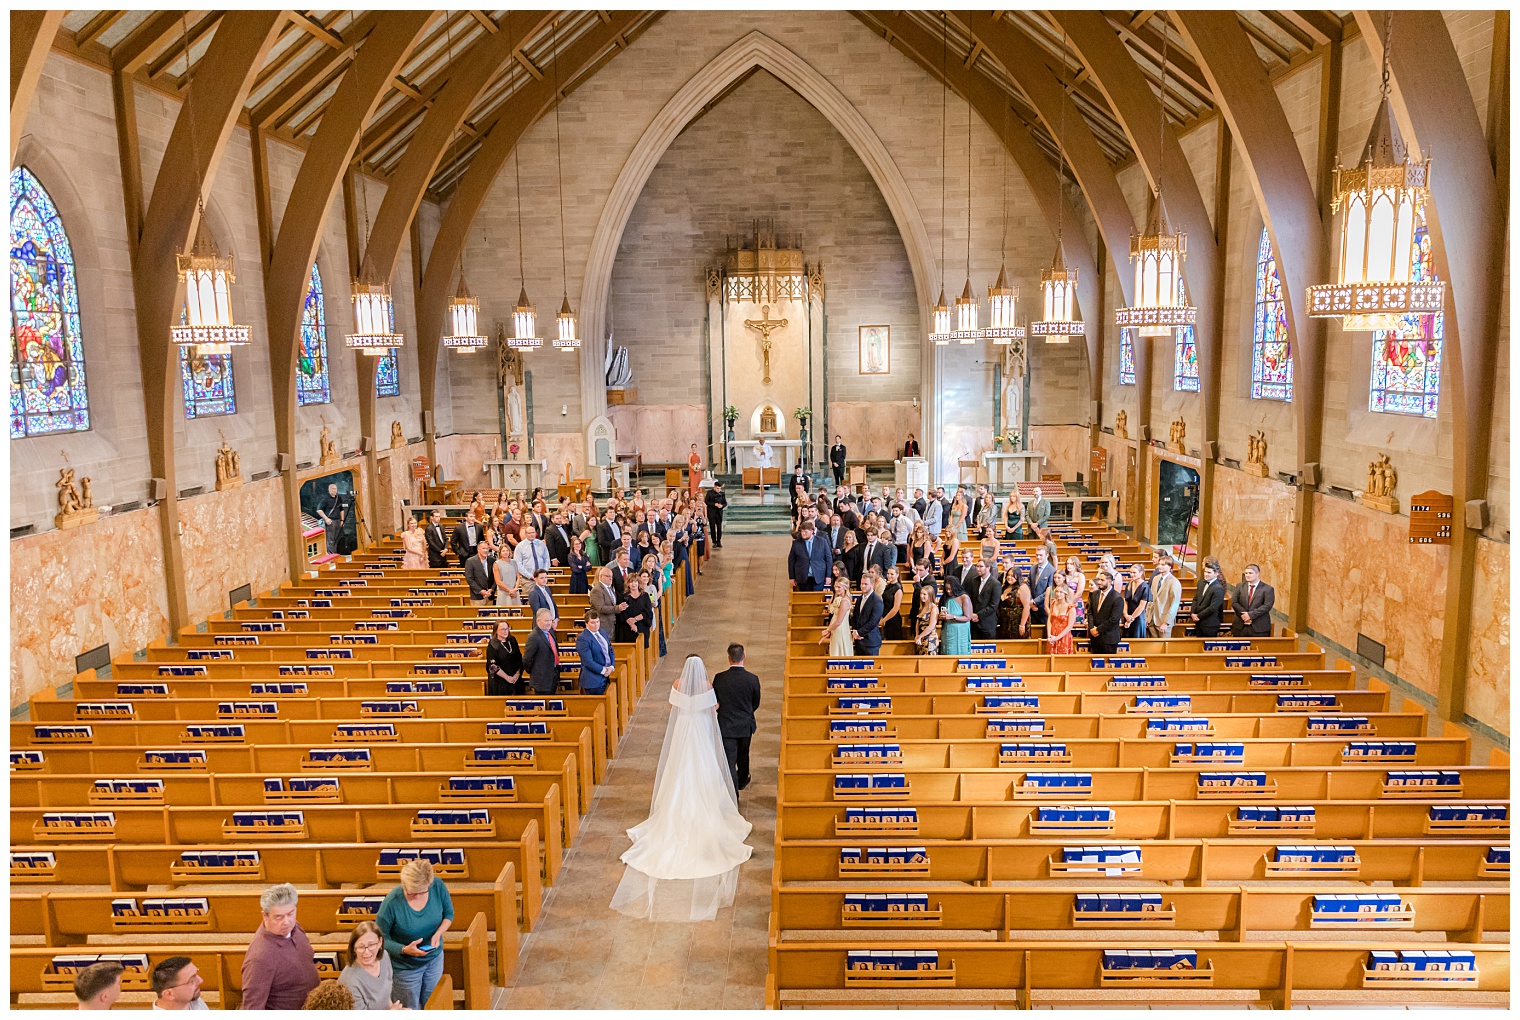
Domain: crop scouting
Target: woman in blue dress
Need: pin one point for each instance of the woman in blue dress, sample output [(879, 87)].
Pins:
[(957, 618), (681, 545)]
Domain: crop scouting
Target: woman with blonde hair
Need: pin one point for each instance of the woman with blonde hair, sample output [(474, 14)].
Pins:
[(368, 975), (413, 918), (1061, 621), (413, 547)]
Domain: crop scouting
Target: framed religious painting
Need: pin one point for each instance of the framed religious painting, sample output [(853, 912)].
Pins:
[(875, 350)]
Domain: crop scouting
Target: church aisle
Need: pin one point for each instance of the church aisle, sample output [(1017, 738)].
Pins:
[(581, 953)]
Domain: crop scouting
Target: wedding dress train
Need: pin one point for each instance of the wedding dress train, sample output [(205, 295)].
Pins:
[(685, 858)]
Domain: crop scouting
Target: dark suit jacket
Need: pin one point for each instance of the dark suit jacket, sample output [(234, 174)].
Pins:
[(437, 542), (605, 543), (539, 598), (716, 501), (539, 664), (867, 621), (1041, 584), (1259, 607), (883, 556), (738, 692), (854, 563), (1208, 606), (836, 455), (559, 545), (799, 567), (910, 448), (985, 595), (1109, 621), (593, 660), (479, 575), (461, 544)]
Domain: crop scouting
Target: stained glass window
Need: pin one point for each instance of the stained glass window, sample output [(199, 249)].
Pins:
[(387, 375), (1185, 376), (47, 347), (208, 384), (1271, 355), (1406, 362), (311, 369), (1126, 358)]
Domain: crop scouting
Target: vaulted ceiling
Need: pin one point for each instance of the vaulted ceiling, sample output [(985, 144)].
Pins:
[(303, 69)]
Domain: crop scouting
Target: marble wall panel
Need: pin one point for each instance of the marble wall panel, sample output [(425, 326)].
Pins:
[(1253, 523), (556, 449), (1065, 449), (74, 590), (962, 442), (661, 433), (874, 431), (1489, 644), (394, 483), (232, 538), (1120, 476), (463, 457), (1365, 577)]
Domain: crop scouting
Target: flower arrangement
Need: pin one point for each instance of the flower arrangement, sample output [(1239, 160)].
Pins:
[(730, 415), (802, 414)]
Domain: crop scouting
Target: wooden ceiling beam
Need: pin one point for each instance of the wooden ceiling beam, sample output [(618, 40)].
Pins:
[(293, 92), (1290, 28), (1321, 26), (95, 26), (318, 31), (1178, 64), (136, 49), (1264, 40), (161, 63), (485, 21), (32, 35)]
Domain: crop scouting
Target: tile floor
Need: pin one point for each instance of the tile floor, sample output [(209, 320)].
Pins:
[(581, 954)]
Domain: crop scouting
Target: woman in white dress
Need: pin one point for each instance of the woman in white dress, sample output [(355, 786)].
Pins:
[(837, 633), (685, 858)]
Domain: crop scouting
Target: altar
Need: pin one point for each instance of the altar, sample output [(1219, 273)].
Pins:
[(516, 475), (911, 473), (784, 453), (1006, 470)]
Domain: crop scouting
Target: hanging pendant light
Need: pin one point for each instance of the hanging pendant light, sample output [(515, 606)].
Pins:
[(1157, 255), (943, 323), (207, 326), (565, 338), (966, 310), (464, 319), (1002, 297), (1058, 285), (374, 313), (1375, 286), (524, 323)]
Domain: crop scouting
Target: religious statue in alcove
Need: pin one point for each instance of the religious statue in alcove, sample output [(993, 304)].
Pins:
[(398, 437), (1121, 425), (1178, 442), (1256, 454), (1011, 428), (1382, 479), (511, 377), (328, 447)]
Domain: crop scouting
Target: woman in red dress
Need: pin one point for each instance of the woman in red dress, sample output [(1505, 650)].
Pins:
[(694, 474), (1060, 622)]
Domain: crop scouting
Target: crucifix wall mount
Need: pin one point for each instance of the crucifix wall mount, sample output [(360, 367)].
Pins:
[(765, 325)]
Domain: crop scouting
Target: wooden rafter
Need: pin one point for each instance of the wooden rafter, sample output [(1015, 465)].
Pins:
[(310, 76), (485, 21), (1290, 28), (1320, 26), (136, 49), (318, 31), (1264, 40), (1179, 65), (97, 25), (160, 64)]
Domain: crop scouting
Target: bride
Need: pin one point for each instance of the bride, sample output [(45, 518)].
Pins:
[(684, 862)]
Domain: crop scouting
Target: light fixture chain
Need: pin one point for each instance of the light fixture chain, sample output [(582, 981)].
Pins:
[(200, 179), (1166, 39), (971, 47), (1061, 147), (559, 160), (944, 133), (1387, 48)]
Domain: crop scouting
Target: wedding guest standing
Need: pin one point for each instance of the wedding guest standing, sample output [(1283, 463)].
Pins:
[(414, 547), (580, 563), (595, 652), (1208, 602), (1253, 602), (957, 617), (892, 599), (504, 663), (413, 918), (1137, 600), (437, 542), (541, 658), (837, 454), (278, 969), (369, 976), (1166, 599)]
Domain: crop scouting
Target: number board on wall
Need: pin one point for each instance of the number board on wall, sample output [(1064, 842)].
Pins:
[(1430, 519)]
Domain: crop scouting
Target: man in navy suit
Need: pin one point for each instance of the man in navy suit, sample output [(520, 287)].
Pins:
[(1044, 576), (539, 597), (809, 561), (867, 627), (596, 655)]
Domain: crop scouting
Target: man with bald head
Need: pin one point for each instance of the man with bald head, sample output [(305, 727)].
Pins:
[(541, 657)]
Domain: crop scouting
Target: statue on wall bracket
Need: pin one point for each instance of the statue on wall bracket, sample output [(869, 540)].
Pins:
[(229, 467), (76, 504), (1256, 454), (1382, 479)]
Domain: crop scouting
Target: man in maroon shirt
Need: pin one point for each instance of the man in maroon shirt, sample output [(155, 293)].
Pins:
[(278, 969)]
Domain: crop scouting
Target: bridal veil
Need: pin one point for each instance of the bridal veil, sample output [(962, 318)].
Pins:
[(684, 862)]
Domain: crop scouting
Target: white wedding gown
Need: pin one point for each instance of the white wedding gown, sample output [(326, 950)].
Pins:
[(684, 862)]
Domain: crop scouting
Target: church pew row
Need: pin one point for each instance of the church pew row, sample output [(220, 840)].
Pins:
[(1179, 783), (592, 708), (1083, 681), (80, 918), (140, 868), (810, 913), (1033, 974), (377, 824), (310, 733), (1283, 726), (1137, 820), (79, 792), (816, 664), (34, 983), (559, 760), (1209, 703), (1144, 752), (1194, 861)]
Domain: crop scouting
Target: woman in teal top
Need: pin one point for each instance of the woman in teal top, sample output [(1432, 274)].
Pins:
[(957, 618), (412, 918)]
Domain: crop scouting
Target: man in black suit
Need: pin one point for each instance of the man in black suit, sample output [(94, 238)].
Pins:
[(477, 571), (467, 536), (965, 569), (878, 554), (541, 657), (558, 541), (738, 692), (800, 484), (836, 459), (1208, 602), (1105, 615), (716, 500), (866, 629), (437, 542), (608, 534), (621, 568), (985, 592), (1253, 603)]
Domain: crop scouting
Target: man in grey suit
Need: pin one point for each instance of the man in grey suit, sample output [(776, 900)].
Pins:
[(605, 600), (477, 571), (1038, 514)]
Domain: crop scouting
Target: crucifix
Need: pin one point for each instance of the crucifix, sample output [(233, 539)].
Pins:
[(765, 324)]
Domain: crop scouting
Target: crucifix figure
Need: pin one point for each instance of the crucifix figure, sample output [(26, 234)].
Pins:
[(765, 324)]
